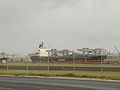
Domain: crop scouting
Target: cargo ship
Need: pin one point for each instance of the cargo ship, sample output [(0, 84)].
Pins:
[(41, 54), (90, 55)]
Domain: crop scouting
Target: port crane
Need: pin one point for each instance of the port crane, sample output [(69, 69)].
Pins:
[(117, 50)]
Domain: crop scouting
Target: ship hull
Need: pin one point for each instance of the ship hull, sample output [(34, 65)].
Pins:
[(67, 58)]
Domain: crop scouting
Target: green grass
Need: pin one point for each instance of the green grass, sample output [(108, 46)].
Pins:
[(77, 74), (61, 73)]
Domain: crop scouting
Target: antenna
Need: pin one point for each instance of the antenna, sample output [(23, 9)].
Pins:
[(42, 44)]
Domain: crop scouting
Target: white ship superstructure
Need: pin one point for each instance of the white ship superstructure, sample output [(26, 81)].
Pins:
[(41, 51)]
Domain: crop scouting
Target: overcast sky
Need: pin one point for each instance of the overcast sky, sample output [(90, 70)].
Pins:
[(60, 24)]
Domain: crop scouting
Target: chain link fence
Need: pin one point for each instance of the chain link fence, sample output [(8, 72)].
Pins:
[(51, 66)]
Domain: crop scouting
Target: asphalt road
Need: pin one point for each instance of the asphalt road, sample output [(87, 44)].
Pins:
[(7, 83)]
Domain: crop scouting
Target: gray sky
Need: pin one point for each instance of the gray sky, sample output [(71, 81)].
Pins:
[(60, 24)]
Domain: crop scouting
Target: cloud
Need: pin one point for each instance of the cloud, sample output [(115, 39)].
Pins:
[(59, 23)]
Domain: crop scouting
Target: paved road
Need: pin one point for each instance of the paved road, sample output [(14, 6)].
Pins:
[(7, 83)]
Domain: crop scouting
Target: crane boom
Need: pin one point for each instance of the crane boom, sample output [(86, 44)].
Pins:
[(117, 50)]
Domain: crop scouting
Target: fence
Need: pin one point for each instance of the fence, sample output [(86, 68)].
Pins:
[(61, 67)]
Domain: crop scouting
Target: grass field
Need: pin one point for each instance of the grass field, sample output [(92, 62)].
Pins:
[(61, 73), (77, 74)]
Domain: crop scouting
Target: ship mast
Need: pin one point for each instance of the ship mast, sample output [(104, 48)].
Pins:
[(41, 45)]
